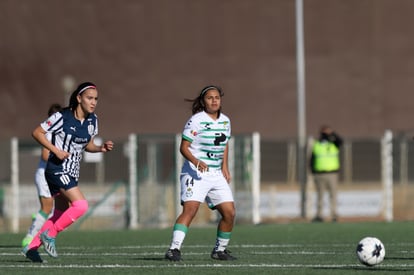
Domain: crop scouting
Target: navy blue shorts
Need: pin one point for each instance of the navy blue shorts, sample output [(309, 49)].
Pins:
[(58, 180)]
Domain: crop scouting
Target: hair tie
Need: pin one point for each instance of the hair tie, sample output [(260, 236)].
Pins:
[(208, 88), (87, 87)]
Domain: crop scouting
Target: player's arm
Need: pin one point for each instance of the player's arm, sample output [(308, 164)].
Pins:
[(39, 134), (185, 151), (45, 154), (225, 164), (93, 148)]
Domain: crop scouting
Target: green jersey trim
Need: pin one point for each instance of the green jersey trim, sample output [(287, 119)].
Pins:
[(187, 138)]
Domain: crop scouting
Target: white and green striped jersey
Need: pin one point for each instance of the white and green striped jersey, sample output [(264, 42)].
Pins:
[(208, 137)]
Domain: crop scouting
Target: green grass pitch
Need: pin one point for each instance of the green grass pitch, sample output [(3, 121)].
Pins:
[(292, 248)]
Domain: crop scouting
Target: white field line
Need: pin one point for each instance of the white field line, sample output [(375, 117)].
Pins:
[(136, 250), (165, 246), (162, 253), (256, 249), (181, 266)]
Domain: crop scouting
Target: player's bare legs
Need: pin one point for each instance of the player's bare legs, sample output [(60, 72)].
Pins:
[(228, 213), (224, 229), (190, 209)]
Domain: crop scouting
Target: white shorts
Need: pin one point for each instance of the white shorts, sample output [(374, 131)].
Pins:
[(41, 183), (210, 186)]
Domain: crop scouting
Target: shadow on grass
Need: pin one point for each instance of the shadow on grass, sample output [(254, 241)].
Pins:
[(159, 259), (370, 269)]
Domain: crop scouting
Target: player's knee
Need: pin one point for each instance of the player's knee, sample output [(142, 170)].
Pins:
[(229, 214), (232, 214)]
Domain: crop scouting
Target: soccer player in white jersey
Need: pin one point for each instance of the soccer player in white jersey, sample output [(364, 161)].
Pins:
[(73, 131), (45, 198), (205, 175)]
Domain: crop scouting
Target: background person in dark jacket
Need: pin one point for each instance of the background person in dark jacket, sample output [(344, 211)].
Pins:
[(325, 165)]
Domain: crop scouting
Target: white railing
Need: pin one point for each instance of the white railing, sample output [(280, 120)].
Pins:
[(255, 200)]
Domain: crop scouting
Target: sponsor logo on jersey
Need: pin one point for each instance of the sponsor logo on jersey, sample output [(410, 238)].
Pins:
[(80, 140), (220, 137)]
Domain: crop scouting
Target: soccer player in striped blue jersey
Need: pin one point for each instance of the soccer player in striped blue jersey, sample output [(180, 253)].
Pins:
[(73, 131), (205, 175)]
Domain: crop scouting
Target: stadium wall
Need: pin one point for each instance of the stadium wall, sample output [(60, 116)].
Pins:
[(146, 56)]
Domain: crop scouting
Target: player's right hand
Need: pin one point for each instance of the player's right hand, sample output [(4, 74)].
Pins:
[(62, 155)]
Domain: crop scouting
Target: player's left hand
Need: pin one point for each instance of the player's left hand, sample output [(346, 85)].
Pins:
[(107, 146)]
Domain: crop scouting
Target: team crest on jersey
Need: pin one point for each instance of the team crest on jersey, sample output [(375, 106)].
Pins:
[(91, 129), (226, 124), (194, 133)]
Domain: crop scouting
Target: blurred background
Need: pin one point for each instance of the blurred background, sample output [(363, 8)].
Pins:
[(147, 56)]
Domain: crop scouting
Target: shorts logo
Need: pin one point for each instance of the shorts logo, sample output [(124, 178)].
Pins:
[(189, 193), (65, 179)]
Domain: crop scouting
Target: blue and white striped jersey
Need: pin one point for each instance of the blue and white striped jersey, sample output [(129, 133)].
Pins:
[(70, 135), (208, 137)]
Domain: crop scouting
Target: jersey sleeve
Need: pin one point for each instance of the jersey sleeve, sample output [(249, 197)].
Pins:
[(190, 130), (53, 123), (229, 128), (95, 131)]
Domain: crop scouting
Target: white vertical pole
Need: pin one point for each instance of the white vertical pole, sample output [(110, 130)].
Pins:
[(300, 60), (15, 203), (387, 180), (152, 162), (403, 161), (68, 85), (179, 160), (256, 178), (310, 184), (133, 181)]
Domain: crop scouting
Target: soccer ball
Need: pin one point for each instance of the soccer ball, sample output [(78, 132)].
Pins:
[(370, 251)]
